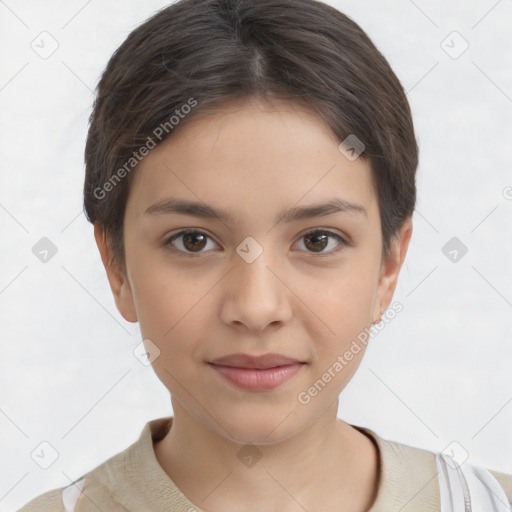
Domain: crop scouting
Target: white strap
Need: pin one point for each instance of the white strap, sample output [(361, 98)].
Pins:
[(70, 495), (468, 487)]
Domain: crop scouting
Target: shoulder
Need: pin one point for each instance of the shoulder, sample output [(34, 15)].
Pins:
[(50, 501), (414, 479), (86, 494), (408, 478), (505, 480), (128, 480)]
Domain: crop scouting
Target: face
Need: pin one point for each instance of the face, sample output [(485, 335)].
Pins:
[(259, 277)]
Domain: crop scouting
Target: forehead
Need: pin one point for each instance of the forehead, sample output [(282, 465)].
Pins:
[(251, 156)]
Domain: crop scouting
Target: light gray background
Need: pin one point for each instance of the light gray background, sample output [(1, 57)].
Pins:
[(438, 373)]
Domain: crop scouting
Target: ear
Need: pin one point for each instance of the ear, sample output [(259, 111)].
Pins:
[(118, 280), (390, 269)]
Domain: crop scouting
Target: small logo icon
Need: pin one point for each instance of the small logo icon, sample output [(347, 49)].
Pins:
[(44, 250), (507, 193), (45, 45), (146, 352), (454, 45), (351, 147), (454, 250), (456, 454), (44, 455), (249, 455), (249, 249)]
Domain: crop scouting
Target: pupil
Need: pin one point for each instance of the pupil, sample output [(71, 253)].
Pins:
[(195, 245), (315, 238), (319, 241)]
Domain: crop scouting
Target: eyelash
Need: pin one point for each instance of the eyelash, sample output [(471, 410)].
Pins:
[(343, 242)]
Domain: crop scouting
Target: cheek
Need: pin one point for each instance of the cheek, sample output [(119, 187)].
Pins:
[(341, 301), (173, 307), (164, 295), (340, 336)]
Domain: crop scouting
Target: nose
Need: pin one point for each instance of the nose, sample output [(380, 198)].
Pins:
[(256, 294)]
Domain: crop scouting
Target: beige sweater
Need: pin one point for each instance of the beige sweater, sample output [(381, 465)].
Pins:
[(133, 481)]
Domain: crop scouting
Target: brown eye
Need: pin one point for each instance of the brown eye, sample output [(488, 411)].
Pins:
[(316, 241), (192, 242), (189, 241)]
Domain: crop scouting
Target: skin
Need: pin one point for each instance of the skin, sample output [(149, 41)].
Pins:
[(256, 159)]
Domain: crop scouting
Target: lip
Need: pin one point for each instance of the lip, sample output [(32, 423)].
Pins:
[(263, 362), (253, 379), (256, 373)]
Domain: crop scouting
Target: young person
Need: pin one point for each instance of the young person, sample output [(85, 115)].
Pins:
[(250, 173)]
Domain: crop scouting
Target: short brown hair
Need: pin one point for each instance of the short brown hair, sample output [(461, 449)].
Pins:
[(212, 51)]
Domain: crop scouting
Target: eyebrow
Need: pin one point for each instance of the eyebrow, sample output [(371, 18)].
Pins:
[(172, 206)]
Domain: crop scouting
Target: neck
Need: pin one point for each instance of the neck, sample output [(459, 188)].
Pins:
[(327, 463)]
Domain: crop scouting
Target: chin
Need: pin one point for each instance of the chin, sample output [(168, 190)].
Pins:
[(256, 427)]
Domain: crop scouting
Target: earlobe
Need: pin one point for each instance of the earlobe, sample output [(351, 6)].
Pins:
[(390, 268), (119, 284)]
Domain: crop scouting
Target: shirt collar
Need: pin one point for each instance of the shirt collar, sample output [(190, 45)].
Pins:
[(407, 475)]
